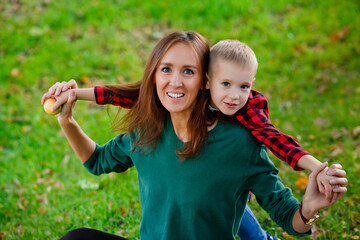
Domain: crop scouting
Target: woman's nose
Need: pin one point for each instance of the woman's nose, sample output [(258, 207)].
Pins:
[(175, 80)]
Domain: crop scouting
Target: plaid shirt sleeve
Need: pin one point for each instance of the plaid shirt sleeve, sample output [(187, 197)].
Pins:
[(255, 117), (106, 96)]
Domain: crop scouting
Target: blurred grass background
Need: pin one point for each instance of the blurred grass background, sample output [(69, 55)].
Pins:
[(308, 53)]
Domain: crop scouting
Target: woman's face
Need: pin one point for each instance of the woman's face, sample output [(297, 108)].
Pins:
[(178, 79)]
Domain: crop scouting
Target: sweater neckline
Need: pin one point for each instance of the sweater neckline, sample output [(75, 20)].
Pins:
[(178, 141)]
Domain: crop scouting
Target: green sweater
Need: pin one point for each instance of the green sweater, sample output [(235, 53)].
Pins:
[(204, 197)]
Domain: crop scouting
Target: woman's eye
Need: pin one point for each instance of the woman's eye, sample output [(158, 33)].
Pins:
[(226, 84), (189, 72), (165, 70)]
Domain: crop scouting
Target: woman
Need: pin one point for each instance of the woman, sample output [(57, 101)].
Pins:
[(188, 189)]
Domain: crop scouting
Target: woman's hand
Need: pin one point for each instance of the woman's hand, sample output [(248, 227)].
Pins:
[(57, 91), (314, 200), (66, 113)]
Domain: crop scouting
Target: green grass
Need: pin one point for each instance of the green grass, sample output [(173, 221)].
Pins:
[(308, 55)]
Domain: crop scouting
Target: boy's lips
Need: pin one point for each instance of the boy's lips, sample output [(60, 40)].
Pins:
[(231, 105)]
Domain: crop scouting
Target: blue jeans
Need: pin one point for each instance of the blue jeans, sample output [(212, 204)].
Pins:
[(250, 227)]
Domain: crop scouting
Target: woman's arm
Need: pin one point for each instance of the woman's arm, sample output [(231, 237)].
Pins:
[(313, 201), (278, 201), (82, 145)]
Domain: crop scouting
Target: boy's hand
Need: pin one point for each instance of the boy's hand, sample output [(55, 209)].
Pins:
[(313, 200), (57, 88), (329, 179)]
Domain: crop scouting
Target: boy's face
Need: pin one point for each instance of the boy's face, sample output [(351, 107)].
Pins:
[(230, 84)]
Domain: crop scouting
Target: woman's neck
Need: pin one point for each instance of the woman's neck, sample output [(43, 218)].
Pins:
[(180, 124)]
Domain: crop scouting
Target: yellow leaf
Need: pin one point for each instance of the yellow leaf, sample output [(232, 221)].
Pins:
[(15, 72), (301, 183)]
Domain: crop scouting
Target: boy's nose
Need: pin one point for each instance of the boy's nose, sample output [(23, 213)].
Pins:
[(175, 81), (234, 95)]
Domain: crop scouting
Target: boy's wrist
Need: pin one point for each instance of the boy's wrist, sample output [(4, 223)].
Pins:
[(308, 162)]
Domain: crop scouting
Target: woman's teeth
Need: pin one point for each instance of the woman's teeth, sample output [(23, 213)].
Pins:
[(175, 95)]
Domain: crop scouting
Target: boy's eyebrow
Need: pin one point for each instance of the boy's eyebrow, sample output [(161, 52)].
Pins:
[(170, 64), (231, 80)]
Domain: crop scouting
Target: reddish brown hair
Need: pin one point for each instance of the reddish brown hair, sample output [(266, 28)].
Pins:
[(148, 116)]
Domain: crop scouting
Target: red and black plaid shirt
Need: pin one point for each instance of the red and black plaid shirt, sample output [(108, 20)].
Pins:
[(254, 116)]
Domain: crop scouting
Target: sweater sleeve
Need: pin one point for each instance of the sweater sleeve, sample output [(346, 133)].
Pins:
[(114, 156), (255, 117), (106, 96), (270, 193)]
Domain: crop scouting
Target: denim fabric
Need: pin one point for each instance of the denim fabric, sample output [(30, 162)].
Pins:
[(250, 228)]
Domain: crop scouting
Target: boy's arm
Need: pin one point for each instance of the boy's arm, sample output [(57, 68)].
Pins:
[(101, 94), (255, 117), (104, 95)]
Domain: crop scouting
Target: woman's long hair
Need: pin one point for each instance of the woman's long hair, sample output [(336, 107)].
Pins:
[(147, 116)]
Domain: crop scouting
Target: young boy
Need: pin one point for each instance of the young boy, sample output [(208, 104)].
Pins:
[(232, 70)]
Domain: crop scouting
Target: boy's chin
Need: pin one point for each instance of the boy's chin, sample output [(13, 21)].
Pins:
[(228, 111)]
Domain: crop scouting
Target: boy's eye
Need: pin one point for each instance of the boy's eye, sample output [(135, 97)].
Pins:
[(189, 72), (166, 70), (244, 86), (226, 84)]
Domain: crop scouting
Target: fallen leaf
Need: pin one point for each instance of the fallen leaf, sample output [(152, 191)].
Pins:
[(25, 129), (85, 184), (84, 80), (66, 159), (301, 183), (316, 232), (351, 202), (48, 171), (321, 122), (43, 199), (109, 205), (321, 89), (286, 236), (41, 210), (356, 131), (15, 72), (336, 134), (17, 182), (340, 35), (20, 206), (123, 211), (338, 150)]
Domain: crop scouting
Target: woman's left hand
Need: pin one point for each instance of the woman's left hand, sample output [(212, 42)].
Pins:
[(314, 200)]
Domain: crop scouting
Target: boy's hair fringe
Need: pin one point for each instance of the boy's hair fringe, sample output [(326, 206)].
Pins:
[(235, 51)]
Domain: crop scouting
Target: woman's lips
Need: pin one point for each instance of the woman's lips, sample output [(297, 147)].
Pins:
[(175, 95)]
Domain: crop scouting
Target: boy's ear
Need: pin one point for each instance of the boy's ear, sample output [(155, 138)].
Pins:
[(252, 84), (207, 82)]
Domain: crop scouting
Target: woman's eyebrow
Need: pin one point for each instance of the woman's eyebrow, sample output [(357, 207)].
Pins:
[(185, 66)]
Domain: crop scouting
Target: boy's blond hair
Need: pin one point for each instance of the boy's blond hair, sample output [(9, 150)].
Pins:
[(235, 51)]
